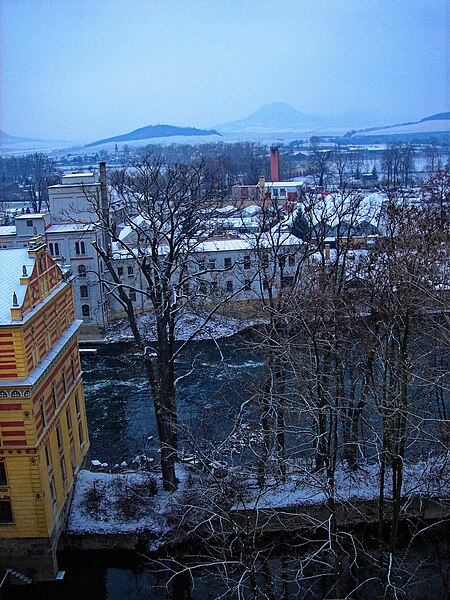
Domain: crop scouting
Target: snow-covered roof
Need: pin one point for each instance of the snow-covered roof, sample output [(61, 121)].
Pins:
[(11, 264), (129, 229), (70, 227), (248, 243), (8, 230), (30, 216), (251, 210), (285, 184)]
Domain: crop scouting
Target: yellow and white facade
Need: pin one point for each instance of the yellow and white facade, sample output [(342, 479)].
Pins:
[(43, 429)]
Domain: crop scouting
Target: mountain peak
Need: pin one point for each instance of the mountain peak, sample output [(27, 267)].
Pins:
[(274, 115)]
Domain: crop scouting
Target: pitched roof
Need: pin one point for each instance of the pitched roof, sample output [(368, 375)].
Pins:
[(11, 264)]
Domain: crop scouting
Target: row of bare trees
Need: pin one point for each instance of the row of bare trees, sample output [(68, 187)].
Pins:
[(355, 347), (357, 359), (34, 173)]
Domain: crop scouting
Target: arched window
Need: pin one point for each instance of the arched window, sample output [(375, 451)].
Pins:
[(81, 270)]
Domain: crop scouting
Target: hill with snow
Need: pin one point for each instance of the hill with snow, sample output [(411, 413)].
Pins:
[(434, 124), (152, 132)]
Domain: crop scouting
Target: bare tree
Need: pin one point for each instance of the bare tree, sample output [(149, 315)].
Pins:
[(168, 214), (319, 160), (341, 161), (398, 163)]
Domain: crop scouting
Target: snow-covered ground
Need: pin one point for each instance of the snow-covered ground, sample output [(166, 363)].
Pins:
[(217, 327), (134, 502), (122, 503), (422, 479)]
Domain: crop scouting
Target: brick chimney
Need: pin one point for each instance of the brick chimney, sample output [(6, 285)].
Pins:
[(274, 170)]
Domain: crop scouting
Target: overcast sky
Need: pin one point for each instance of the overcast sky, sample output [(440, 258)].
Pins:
[(83, 69)]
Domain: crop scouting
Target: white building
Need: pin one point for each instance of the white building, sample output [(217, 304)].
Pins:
[(243, 267), (75, 198)]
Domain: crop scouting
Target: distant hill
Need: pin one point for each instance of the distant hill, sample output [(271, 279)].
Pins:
[(277, 115), (154, 131), (433, 125), (10, 144), (10, 139), (445, 116)]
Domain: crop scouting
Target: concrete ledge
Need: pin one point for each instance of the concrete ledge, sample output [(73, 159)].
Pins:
[(274, 520)]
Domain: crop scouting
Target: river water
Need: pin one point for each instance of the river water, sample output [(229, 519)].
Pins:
[(219, 377)]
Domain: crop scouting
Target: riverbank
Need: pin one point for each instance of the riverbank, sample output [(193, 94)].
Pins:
[(121, 510), (189, 324)]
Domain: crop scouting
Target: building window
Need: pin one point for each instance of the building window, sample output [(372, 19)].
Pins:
[(54, 248), (29, 223), (80, 434), (247, 285), (229, 286), (227, 263), (287, 282), (63, 469), (130, 270), (69, 420), (5, 511), (77, 404), (247, 261), (59, 438), (54, 397), (81, 270), (291, 260), (48, 458), (80, 248), (3, 478), (73, 369), (47, 340), (85, 310), (201, 264), (132, 296), (35, 355), (52, 490), (64, 381), (42, 411), (120, 271), (211, 264), (265, 260), (84, 292)]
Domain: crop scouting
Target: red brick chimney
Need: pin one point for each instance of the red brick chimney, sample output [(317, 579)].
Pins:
[(274, 170)]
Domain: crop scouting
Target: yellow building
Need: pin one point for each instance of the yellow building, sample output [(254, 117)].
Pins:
[(43, 430)]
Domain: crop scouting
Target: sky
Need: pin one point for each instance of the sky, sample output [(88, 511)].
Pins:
[(80, 70)]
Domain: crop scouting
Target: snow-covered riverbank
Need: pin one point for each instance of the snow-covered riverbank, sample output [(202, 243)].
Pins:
[(134, 502), (188, 324)]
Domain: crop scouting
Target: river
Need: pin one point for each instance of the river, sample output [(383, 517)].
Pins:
[(220, 376)]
